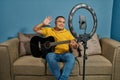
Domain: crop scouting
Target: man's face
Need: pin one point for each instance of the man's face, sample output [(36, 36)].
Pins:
[(60, 23)]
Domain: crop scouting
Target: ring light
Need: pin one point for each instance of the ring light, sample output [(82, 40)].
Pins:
[(70, 18)]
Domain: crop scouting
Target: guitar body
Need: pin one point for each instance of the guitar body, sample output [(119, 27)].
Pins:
[(41, 46)]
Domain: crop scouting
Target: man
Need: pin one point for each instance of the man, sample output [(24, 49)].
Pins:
[(61, 53)]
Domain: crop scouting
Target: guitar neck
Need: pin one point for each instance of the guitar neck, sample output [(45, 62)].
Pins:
[(57, 43)]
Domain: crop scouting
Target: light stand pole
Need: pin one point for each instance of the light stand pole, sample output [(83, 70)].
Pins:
[(84, 58), (84, 38)]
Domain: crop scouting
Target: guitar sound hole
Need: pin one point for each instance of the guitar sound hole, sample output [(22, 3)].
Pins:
[(47, 45)]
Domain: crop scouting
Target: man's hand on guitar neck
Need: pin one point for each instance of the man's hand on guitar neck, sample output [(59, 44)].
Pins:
[(74, 44)]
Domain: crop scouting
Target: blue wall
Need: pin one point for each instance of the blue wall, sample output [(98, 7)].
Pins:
[(22, 15), (115, 29)]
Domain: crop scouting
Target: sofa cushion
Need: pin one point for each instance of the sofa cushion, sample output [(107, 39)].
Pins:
[(24, 44), (96, 64), (93, 47), (29, 65)]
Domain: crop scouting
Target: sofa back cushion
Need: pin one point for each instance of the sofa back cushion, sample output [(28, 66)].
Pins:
[(93, 47), (24, 43)]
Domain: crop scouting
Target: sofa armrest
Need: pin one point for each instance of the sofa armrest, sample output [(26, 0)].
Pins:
[(111, 50), (8, 54)]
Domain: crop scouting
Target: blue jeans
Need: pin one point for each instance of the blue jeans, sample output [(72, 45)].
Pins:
[(67, 58)]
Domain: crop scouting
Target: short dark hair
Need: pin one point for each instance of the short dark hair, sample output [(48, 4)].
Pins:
[(59, 17)]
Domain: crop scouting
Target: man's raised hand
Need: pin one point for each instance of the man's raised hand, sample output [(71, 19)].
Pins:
[(47, 20)]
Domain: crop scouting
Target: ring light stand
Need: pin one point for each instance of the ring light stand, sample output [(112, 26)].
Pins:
[(86, 36)]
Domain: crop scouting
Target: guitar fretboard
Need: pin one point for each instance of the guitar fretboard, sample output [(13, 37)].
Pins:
[(57, 43)]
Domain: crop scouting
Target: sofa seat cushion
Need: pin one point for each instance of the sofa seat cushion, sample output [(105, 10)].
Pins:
[(75, 70), (96, 64), (29, 65)]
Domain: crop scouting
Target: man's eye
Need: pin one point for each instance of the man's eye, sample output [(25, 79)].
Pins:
[(61, 21)]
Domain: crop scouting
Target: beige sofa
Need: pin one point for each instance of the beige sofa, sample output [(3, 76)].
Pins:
[(98, 67)]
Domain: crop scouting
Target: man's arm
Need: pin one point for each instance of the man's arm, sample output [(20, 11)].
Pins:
[(38, 27)]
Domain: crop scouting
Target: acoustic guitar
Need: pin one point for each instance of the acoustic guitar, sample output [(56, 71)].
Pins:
[(40, 46)]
